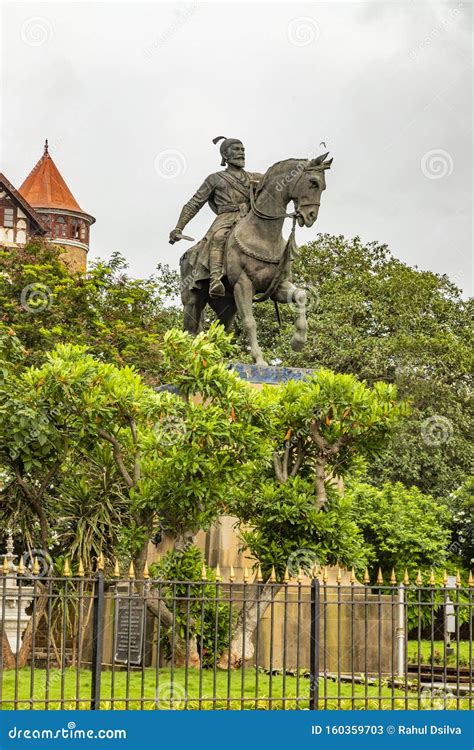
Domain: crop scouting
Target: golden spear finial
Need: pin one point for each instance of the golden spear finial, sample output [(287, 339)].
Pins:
[(146, 573), (80, 569), (117, 569), (432, 581), (5, 565), (458, 578), (218, 573), (100, 562), (246, 575), (393, 578), (203, 571), (325, 574), (353, 576), (66, 568), (366, 576), (273, 574), (286, 576), (419, 579), (259, 573), (406, 578), (131, 571), (470, 581), (380, 577), (36, 567), (231, 574)]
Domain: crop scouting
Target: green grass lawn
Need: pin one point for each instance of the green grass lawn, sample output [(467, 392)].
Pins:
[(73, 692), (438, 652)]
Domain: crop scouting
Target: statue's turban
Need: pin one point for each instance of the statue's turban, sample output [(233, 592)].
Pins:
[(226, 143)]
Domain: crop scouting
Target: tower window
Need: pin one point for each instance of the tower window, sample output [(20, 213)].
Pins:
[(60, 226), (75, 229)]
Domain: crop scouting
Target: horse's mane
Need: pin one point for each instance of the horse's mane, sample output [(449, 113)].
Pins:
[(269, 174)]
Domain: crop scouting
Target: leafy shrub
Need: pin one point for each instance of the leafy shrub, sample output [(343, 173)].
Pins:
[(199, 614)]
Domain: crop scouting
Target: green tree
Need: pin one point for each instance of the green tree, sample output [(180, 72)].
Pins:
[(402, 527), (118, 318), (376, 318), (173, 461), (329, 423)]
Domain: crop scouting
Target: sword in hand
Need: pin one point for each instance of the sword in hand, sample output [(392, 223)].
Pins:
[(177, 235)]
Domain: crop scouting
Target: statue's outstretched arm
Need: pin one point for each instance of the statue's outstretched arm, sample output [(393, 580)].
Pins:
[(194, 205)]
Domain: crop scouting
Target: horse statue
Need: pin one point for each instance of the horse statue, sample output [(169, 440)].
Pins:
[(257, 258)]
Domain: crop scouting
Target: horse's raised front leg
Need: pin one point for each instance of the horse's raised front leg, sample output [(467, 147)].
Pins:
[(243, 294), (291, 294)]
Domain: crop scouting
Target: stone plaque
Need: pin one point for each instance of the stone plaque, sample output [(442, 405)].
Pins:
[(129, 616)]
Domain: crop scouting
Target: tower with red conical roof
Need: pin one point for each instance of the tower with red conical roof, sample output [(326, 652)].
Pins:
[(67, 224)]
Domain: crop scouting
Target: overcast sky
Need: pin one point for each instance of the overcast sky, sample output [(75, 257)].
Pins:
[(130, 96)]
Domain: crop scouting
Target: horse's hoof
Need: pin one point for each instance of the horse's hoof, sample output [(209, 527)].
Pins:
[(297, 343)]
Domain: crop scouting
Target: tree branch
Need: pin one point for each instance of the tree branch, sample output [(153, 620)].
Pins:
[(117, 455)]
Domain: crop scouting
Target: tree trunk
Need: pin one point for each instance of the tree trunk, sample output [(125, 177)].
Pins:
[(41, 604), (160, 610), (8, 658), (241, 646), (320, 471), (180, 659)]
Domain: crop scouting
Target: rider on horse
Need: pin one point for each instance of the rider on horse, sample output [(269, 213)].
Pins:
[(228, 194)]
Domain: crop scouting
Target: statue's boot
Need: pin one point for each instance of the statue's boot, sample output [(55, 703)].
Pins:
[(216, 287)]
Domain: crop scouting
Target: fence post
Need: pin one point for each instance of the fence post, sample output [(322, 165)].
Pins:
[(97, 639), (400, 632), (314, 646)]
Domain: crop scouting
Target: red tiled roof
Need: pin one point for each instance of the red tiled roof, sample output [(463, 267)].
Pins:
[(45, 188)]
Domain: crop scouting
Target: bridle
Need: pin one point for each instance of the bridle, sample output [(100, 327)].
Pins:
[(293, 215)]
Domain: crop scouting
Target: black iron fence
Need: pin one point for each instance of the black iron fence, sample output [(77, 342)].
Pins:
[(95, 642)]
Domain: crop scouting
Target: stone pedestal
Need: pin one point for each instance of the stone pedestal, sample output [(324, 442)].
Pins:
[(13, 608)]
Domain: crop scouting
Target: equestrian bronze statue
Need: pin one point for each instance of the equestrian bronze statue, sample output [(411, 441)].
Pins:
[(243, 257)]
